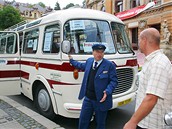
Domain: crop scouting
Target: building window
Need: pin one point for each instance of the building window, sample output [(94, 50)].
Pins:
[(91, 7), (30, 14), (157, 2), (156, 26), (135, 38), (118, 6), (35, 15), (134, 3)]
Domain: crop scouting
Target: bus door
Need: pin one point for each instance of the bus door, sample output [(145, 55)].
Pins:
[(9, 63)]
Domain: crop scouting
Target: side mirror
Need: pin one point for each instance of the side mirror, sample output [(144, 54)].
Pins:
[(168, 119), (66, 46)]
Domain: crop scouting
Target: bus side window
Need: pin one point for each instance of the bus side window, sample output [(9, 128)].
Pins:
[(11, 45), (51, 39), (31, 41)]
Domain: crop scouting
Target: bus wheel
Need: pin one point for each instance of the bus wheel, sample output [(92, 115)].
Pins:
[(43, 102)]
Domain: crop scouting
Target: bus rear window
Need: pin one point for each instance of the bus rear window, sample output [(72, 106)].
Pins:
[(84, 33)]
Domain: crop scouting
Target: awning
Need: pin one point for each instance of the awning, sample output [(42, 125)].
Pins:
[(134, 11)]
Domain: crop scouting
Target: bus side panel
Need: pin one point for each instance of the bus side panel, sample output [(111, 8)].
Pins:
[(10, 76), (9, 63)]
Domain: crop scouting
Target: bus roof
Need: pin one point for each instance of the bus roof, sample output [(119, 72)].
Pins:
[(76, 13), (65, 15)]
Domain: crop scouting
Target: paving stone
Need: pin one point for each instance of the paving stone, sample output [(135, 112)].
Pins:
[(11, 115)]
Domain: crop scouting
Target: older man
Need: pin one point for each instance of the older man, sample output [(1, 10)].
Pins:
[(154, 96), (99, 82)]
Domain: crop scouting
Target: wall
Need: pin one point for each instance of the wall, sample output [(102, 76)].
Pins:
[(154, 17)]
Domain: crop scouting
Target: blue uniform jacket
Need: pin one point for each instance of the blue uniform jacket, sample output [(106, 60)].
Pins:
[(105, 80)]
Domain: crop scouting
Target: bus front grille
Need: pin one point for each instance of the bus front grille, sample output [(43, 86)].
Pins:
[(125, 80)]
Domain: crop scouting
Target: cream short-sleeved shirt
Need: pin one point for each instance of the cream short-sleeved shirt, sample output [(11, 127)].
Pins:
[(155, 78)]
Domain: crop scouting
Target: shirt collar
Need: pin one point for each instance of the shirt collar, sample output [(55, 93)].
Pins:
[(152, 55), (99, 62)]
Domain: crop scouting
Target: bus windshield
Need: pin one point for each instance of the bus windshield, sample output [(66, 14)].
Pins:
[(121, 38), (84, 33)]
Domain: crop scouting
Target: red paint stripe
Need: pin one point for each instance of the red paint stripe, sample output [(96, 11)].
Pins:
[(14, 73), (51, 82), (10, 74), (63, 67), (13, 62), (25, 75), (28, 63), (18, 73)]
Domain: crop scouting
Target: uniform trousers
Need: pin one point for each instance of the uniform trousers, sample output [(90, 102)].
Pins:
[(89, 107)]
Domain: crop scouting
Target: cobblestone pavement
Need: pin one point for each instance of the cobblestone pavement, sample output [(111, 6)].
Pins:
[(15, 116), (19, 119)]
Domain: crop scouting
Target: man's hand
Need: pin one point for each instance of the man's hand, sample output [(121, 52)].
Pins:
[(104, 97), (130, 125), (70, 57)]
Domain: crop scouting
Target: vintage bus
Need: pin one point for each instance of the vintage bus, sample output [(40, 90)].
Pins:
[(34, 59)]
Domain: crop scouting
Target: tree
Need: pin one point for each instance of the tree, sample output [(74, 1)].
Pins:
[(69, 5), (41, 4), (9, 16), (57, 6)]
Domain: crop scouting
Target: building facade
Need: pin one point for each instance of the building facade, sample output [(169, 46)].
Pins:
[(140, 14), (28, 12), (1, 4)]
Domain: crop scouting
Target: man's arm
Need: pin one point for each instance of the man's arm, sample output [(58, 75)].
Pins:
[(76, 64), (144, 109), (112, 84)]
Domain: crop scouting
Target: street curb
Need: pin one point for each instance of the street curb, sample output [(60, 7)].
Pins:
[(37, 117)]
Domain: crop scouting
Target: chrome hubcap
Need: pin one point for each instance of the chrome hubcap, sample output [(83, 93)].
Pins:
[(43, 100)]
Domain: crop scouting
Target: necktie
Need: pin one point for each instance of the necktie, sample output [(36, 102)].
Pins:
[(95, 65)]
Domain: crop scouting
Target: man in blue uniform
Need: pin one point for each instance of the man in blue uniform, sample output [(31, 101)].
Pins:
[(99, 81)]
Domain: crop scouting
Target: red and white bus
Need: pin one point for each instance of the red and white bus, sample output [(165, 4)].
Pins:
[(33, 59)]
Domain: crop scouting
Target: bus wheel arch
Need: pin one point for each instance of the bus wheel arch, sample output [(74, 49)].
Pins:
[(42, 100)]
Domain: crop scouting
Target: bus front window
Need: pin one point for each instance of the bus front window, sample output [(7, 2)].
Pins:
[(121, 38), (84, 33)]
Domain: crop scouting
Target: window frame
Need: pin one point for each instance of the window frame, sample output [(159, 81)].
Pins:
[(53, 45), (9, 47), (25, 48), (102, 35)]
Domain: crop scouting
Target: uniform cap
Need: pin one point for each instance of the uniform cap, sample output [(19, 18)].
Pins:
[(98, 47)]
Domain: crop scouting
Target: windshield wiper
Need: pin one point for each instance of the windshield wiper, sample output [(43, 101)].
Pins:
[(98, 34)]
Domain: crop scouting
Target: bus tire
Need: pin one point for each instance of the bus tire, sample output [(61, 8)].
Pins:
[(43, 102)]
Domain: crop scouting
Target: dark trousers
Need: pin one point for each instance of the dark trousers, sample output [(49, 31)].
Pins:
[(139, 127), (88, 108)]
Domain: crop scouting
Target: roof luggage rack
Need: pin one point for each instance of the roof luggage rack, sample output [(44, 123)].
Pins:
[(16, 26)]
